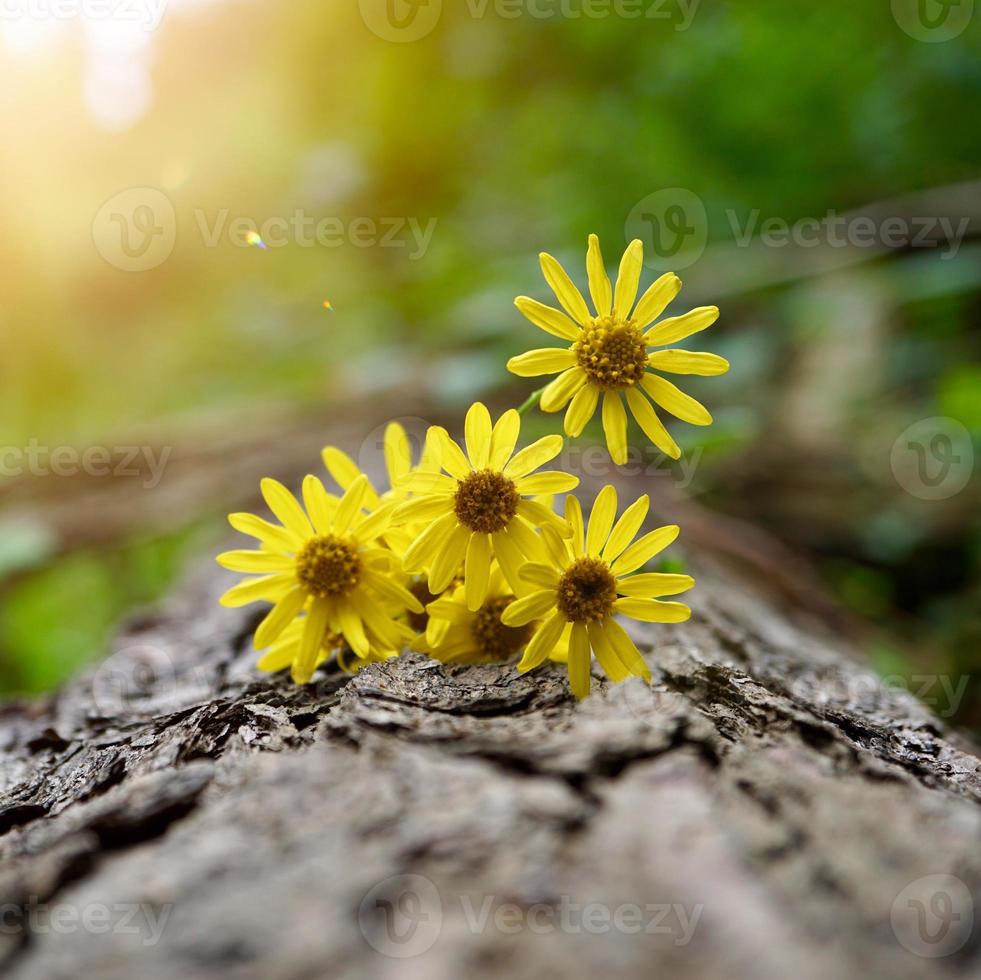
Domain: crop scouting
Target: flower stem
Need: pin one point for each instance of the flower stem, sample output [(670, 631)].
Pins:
[(531, 401)]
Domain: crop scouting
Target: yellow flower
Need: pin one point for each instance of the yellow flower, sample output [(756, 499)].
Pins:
[(283, 652), (609, 351), (331, 565), (587, 581), (480, 509), (473, 636)]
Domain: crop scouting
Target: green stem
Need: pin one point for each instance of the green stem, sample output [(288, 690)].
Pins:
[(531, 401)]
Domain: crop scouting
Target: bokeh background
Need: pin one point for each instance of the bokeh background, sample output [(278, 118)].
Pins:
[(440, 148)]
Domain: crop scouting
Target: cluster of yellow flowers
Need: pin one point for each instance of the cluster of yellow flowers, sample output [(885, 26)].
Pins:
[(464, 557)]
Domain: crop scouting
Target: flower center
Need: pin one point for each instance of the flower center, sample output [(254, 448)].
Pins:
[(486, 501), (328, 566), (612, 352), (587, 591), (495, 641)]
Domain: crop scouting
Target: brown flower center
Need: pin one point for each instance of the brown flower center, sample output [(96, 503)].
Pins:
[(328, 566), (495, 641), (486, 501), (612, 352), (587, 591)]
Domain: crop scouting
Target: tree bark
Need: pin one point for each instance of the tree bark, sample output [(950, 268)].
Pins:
[(768, 809)]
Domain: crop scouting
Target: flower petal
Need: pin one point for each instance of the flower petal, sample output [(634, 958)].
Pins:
[(651, 585), (612, 665), (350, 504), (423, 509), (565, 291), (615, 426), (540, 574), (279, 617), (672, 398), (477, 572), (676, 328), (314, 628), (255, 561), (579, 661), (561, 389), (677, 361), (581, 409), (533, 456), (477, 435), (535, 606), (653, 611), (601, 519), (626, 650), (451, 455), (268, 588), (389, 589), (653, 428), (644, 549), (398, 453), (628, 279), (574, 518), (547, 481), (655, 301), (449, 558), (510, 559), (547, 318), (423, 550), (271, 535), (286, 507), (629, 524), (504, 437), (320, 505), (544, 360), (543, 642), (345, 471), (599, 281), (353, 628)]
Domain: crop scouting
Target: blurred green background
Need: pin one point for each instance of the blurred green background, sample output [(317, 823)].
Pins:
[(503, 135)]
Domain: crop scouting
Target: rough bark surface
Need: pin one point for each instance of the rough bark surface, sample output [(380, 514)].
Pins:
[(768, 808)]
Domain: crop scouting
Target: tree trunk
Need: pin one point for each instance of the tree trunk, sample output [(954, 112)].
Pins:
[(768, 809)]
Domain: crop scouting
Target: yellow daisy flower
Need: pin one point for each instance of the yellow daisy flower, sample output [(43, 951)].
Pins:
[(479, 507), (609, 351), (473, 636), (327, 560), (587, 582)]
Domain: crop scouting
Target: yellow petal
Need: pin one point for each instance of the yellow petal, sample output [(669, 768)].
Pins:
[(543, 642), (449, 558), (350, 504), (271, 535), (452, 457), (615, 426), (538, 515), (672, 398), (268, 588), (423, 509), (542, 575), (559, 391), (573, 517), (676, 328), (581, 409), (676, 361), (644, 549), (612, 665), (579, 661), (629, 524), (599, 281), (545, 360), (285, 506), (547, 318), (279, 617), (367, 527), (522, 533), (504, 437), (314, 628), (628, 279), (477, 435), (650, 585), (477, 572), (626, 650), (547, 481), (653, 611), (352, 628), (345, 471), (533, 606), (255, 561), (389, 589), (653, 428), (320, 505), (601, 519), (533, 456), (510, 559), (565, 291), (655, 301), (423, 550), (398, 453)]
